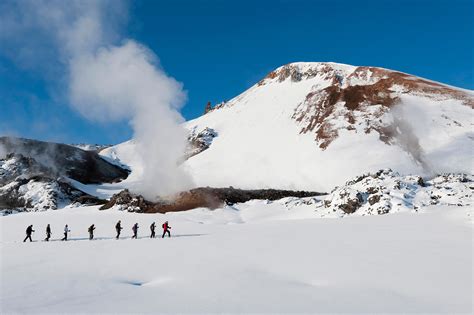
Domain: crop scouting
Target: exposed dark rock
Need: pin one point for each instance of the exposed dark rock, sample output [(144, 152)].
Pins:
[(126, 199), (296, 76), (200, 141), (352, 203), (373, 199), (207, 197), (421, 182), (372, 190), (208, 108), (386, 209)]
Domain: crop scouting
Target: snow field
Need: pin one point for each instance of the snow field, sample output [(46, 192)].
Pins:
[(402, 262)]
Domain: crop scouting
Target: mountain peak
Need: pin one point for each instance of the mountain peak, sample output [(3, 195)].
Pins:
[(298, 71), (323, 116)]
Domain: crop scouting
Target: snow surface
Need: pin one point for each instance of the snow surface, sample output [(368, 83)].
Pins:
[(273, 263)]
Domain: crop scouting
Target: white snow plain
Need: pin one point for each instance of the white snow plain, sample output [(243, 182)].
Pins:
[(259, 258)]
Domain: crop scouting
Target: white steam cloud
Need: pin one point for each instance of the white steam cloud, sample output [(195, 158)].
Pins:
[(113, 82), (125, 82), (407, 139)]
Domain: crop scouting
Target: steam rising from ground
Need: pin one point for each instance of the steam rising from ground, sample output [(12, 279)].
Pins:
[(113, 82), (127, 83), (407, 139)]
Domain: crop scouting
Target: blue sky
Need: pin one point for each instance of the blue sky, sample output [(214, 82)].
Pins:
[(217, 49)]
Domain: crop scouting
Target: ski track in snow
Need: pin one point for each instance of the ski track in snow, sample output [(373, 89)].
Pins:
[(404, 262)]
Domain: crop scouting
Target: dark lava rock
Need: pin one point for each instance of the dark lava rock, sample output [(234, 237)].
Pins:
[(206, 197), (372, 190), (352, 204), (421, 182), (373, 199)]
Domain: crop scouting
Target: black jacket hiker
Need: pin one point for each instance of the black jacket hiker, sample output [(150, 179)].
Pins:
[(118, 228), (152, 228), (91, 231), (48, 233), (29, 230), (135, 230)]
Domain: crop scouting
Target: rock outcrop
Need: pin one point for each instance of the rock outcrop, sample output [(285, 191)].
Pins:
[(35, 175), (27, 186), (86, 167), (387, 191), (199, 141), (205, 197)]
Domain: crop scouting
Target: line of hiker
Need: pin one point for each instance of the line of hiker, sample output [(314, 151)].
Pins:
[(118, 227)]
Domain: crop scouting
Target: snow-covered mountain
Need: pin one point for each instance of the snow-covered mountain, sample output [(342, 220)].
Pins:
[(38, 176), (305, 126), (313, 126)]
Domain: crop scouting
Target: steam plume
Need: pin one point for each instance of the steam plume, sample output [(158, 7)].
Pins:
[(407, 138), (110, 78), (127, 83)]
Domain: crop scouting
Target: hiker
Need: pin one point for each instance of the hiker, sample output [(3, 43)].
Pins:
[(29, 230), (91, 231), (166, 229), (135, 230), (66, 230), (48, 233), (118, 228), (152, 228)]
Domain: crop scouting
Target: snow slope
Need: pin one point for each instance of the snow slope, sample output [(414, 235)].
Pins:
[(404, 263), (313, 126)]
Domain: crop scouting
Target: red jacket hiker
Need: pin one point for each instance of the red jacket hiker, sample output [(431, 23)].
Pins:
[(166, 228)]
